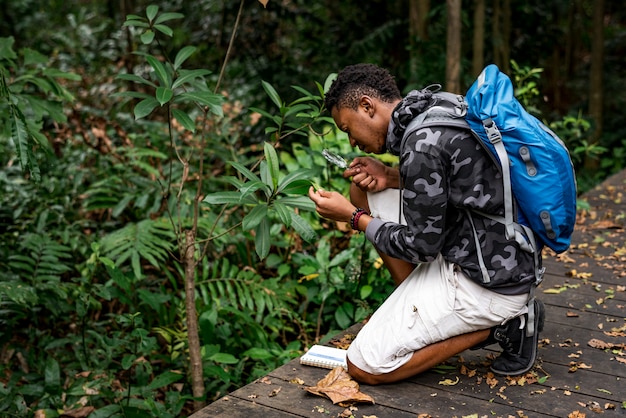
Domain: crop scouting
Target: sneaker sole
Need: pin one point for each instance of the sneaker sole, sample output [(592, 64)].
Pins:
[(540, 321)]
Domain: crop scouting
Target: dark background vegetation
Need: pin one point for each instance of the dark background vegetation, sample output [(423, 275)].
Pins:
[(92, 288)]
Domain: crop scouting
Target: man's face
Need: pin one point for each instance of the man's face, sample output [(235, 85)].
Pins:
[(366, 129)]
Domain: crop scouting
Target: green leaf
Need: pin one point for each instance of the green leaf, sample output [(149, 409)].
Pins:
[(164, 17), (258, 353), (221, 198), (164, 95), (262, 239), (128, 360), (184, 119), (164, 379), (147, 37), (52, 376), (272, 160), (136, 79), (159, 69), (271, 92), (283, 212), (303, 228), (6, 48), (206, 98), (145, 107), (300, 202), (151, 12), (166, 30), (366, 291), (224, 358), (188, 75), (243, 170), (254, 217), (182, 55), (294, 176)]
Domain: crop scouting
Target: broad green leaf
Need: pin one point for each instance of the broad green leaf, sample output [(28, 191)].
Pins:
[(127, 361), (298, 187), (254, 218), (271, 92), (224, 358), (184, 119), (221, 198), (164, 17), (165, 379), (147, 37), (252, 186), (366, 291), (243, 170), (32, 57), (160, 71), (300, 174), (188, 75), (258, 353), (164, 29), (52, 376), (300, 202), (164, 95), (272, 161), (303, 228), (283, 212), (183, 54), (329, 82), (136, 79), (262, 239), (151, 12), (6, 48), (145, 107), (212, 100)]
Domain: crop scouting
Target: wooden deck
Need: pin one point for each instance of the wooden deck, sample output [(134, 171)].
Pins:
[(585, 298)]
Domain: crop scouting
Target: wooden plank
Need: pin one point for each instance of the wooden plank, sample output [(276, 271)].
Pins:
[(591, 301)]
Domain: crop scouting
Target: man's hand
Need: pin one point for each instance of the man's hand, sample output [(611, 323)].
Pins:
[(332, 205), (371, 175)]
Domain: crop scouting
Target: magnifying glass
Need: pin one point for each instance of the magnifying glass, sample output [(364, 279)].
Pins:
[(335, 159)]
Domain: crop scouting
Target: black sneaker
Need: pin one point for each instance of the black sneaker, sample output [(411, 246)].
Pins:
[(519, 351)]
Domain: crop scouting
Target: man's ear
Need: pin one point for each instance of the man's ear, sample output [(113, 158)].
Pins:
[(368, 105)]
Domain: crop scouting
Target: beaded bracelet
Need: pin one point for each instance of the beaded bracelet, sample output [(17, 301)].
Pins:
[(356, 215)]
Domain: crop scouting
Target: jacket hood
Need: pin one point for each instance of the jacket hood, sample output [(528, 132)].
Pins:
[(412, 105)]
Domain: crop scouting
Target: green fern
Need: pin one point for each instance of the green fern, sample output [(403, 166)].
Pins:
[(37, 269), (150, 240)]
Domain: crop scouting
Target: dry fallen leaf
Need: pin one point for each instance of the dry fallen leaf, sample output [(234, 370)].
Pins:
[(339, 387), (449, 382)]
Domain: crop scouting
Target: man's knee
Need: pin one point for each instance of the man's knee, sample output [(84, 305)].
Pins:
[(364, 377)]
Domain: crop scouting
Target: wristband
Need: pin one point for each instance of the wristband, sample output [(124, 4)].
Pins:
[(356, 215)]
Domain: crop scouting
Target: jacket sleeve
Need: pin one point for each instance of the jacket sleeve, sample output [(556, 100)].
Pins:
[(424, 203)]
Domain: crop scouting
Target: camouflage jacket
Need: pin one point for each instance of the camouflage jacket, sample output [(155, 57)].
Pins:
[(445, 174)]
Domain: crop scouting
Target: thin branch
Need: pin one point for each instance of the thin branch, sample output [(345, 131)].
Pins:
[(230, 45)]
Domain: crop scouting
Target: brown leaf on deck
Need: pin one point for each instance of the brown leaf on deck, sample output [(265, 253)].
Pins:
[(339, 387)]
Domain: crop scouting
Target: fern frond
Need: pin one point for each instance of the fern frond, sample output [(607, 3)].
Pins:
[(23, 140), (148, 240)]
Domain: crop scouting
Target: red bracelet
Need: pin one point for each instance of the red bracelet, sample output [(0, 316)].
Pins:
[(356, 215)]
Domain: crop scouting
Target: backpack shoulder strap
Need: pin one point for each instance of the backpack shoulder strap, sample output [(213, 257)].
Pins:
[(448, 109)]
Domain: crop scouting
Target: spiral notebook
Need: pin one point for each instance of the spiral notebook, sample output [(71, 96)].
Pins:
[(324, 356)]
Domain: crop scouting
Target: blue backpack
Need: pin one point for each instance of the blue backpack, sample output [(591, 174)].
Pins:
[(537, 171)]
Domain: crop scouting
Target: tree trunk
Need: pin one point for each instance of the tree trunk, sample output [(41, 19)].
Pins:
[(595, 79), (505, 46), (453, 46), (418, 32), (193, 338), (496, 37), (478, 50)]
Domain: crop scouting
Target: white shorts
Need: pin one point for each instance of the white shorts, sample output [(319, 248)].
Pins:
[(435, 302)]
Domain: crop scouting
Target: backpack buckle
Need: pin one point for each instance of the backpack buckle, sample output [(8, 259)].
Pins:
[(493, 133)]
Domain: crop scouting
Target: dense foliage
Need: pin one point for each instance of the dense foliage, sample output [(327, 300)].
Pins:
[(126, 132)]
